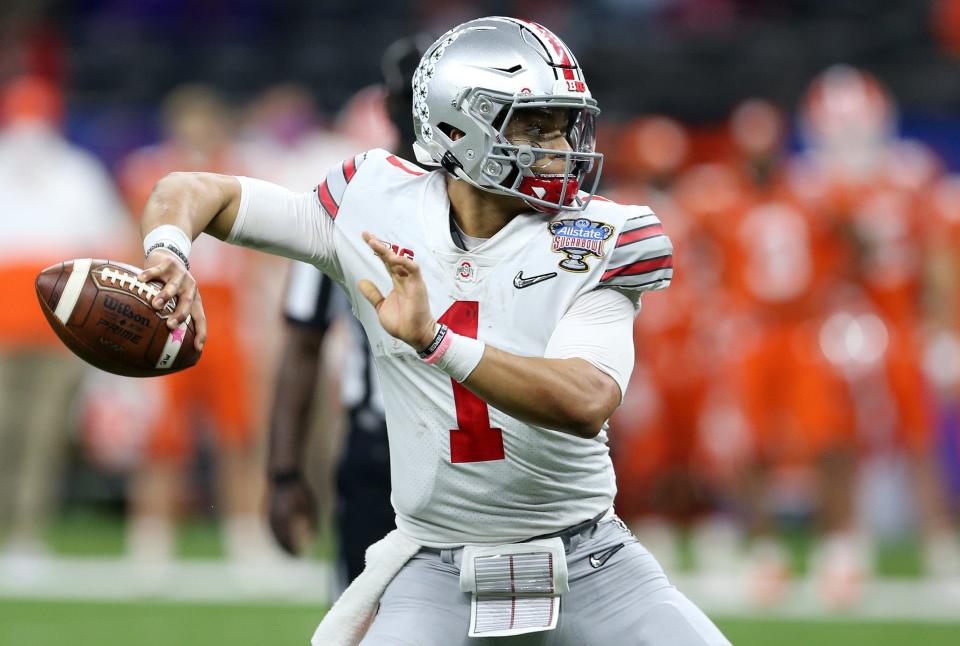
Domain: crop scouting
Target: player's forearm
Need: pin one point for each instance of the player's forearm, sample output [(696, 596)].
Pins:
[(293, 399), (568, 395), (194, 202)]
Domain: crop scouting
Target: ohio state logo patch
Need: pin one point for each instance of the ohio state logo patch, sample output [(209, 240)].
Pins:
[(466, 271), (579, 239)]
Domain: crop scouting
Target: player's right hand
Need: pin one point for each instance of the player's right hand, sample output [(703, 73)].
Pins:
[(293, 515), (163, 266)]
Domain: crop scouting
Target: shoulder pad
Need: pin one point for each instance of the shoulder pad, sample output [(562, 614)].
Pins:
[(642, 257)]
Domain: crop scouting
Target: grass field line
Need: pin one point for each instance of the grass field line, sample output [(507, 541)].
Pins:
[(312, 582)]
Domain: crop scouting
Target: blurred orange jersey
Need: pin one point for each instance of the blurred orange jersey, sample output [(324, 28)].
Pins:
[(656, 433), (882, 220), (778, 262), (778, 256)]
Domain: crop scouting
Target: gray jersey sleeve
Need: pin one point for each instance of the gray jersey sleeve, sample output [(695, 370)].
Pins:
[(598, 327), (276, 220)]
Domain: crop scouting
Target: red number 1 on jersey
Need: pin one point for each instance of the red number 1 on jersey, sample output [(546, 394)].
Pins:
[(474, 440)]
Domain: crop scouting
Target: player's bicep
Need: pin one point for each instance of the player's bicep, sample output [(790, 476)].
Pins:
[(598, 328), (273, 219)]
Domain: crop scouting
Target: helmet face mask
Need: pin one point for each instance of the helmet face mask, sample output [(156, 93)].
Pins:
[(483, 80)]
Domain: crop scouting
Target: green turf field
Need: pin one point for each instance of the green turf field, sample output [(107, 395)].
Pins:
[(178, 623), (29, 623)]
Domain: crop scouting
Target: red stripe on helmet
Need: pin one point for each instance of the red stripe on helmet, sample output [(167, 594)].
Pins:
[(561, 51)]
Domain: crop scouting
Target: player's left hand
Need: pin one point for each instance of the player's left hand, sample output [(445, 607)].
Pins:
[(293, 515), (405, 312)]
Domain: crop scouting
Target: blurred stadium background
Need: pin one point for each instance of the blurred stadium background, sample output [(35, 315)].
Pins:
[(790, 445)]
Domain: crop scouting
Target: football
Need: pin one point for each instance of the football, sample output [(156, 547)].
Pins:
[(102, 313)]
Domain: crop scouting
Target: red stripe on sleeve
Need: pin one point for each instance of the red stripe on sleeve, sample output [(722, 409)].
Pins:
[(326, 200), (640, 267), (349, 169), (649, 231), (393, 159)]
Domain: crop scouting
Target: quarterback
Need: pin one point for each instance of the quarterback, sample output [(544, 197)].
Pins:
[(498, 295)]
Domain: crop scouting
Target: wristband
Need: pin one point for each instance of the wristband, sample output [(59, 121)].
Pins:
[(457, 355), (433, 345), (169, 247), (169, 237)]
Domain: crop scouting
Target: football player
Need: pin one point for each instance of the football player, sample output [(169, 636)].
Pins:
[(498, 294)]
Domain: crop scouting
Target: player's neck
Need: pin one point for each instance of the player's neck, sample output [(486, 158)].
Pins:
[(480, 214)]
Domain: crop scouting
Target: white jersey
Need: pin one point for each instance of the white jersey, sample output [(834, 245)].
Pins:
[(462, 471)]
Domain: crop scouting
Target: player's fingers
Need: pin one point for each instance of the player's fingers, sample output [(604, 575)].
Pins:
[(370, 292), (409, 265), (155, 265), (149, 274), (186, 293), (280, 527), (397, 266), (171, 289), (378, 246), (383, 250), (200, 321)]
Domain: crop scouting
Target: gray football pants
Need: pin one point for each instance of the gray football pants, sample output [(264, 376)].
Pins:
[(626, 601)]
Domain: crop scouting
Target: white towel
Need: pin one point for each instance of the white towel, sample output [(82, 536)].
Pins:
[(347, 621)]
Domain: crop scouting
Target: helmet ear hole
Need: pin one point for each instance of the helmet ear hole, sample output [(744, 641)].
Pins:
[(452, 133)]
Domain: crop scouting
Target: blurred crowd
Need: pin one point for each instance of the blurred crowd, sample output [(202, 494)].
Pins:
[(802, 370), (62, 203)]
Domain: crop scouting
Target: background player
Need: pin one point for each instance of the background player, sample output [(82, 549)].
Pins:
[(217, 398), (58, 202), (313, 302)]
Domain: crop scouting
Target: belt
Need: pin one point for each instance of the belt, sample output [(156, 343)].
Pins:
[(573, 530), (566, 534)]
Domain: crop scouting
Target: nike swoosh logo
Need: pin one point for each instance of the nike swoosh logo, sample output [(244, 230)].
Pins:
[(520, 282), (597, 559)]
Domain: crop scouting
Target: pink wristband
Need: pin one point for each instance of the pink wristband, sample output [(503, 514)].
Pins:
[(441, 350)]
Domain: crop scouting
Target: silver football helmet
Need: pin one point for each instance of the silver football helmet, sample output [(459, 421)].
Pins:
[(478, 77)]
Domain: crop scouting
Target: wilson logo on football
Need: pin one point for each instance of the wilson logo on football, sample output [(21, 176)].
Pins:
[(112, 278)]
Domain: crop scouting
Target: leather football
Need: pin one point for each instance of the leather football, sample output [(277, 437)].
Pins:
[(102, 313)]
